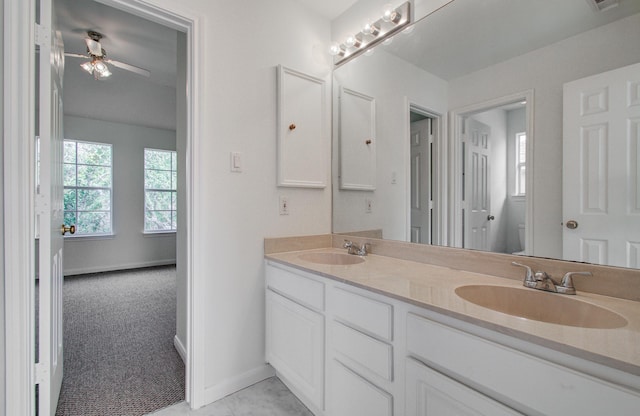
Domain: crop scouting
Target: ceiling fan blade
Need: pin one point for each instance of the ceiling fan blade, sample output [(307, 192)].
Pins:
[(76, 55), (132, 68), (94, 47)]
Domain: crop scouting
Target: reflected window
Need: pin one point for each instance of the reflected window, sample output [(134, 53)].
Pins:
[(521, 159)]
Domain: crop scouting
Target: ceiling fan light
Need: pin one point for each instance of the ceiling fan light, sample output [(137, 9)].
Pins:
[(101, 67), (87, 66), (106, 73)]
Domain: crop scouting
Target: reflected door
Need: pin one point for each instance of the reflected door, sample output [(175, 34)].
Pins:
[(421, 202), (601, 168), (477, 201)]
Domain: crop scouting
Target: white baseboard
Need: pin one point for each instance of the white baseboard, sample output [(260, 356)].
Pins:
[(114, 267), (182, 351), (239, 382)]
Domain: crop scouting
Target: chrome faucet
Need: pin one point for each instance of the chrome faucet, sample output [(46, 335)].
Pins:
[(542, 281), (352, 248)]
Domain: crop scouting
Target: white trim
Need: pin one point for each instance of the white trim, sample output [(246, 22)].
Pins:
[(455, 188), (182, 351), (238, 382), (123, 266), (19, 75)]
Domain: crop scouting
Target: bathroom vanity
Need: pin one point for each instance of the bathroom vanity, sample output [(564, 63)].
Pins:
[(378, 335)]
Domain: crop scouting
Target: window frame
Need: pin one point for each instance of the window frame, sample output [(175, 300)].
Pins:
[(173, 191), (520, 165), (76, 187)]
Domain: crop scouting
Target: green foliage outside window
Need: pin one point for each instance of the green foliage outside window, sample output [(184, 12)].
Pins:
[(87, 187), (160, 190)]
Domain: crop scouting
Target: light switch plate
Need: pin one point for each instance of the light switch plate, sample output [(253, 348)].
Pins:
[(284, 205), (236, 162)]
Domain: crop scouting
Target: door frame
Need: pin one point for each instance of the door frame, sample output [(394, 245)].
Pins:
[(456, 121), (439, 215), (18, 176)]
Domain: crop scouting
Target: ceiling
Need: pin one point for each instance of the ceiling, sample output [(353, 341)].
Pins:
[(468, 35), (124, 97)]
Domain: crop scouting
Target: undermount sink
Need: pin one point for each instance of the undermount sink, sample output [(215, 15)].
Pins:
[(541, 306), (338, 259)]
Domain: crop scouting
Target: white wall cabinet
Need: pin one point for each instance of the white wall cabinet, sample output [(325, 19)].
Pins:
[(303, 138), (429, 393)]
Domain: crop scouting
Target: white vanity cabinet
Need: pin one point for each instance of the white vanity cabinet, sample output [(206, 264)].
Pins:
[(295, 333)]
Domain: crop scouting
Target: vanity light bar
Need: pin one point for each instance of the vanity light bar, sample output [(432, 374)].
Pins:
[(392, 21)]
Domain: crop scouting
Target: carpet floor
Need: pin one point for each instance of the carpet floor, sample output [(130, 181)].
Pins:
[(119, 357)]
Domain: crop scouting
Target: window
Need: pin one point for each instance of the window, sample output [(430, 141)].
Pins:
[(87, 187), (160, 195), (521, 158)]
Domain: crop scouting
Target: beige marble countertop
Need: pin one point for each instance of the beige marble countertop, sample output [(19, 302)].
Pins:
[(433, 287)]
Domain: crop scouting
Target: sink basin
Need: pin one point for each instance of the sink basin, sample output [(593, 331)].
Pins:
[(338, 259), (541, 306)]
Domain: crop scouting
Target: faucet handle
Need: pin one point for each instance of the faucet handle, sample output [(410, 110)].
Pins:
[(529, 276), (567, 282), (347, 244)]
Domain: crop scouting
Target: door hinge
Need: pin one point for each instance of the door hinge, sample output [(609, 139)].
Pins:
[(41, 204), (41, 35), (41, 373)]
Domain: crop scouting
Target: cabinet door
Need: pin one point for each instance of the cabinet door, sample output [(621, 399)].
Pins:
[(295, 345), (429, 393)]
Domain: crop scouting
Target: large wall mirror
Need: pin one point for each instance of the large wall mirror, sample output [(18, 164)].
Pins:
[(502, 125)]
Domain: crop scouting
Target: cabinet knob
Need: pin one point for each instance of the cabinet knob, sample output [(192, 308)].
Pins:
[(292, 126)]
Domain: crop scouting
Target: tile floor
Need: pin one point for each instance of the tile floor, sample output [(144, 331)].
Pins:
[(267, 398)]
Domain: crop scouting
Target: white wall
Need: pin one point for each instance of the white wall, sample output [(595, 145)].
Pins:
[(129, 247), (393, 83), (497, 121), (586, 54), (244, 42)]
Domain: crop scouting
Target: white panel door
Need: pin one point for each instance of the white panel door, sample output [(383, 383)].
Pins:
[(50, 211), (601, 168), (477, 200), (421, 142), (357, 141)]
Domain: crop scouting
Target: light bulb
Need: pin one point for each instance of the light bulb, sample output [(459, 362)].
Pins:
[(106, 73), (352, 42), (389, 14), (370, 29), (100, 67), (87, 66), (336, 49)]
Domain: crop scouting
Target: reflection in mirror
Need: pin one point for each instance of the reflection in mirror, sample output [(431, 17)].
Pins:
[(441, 94)]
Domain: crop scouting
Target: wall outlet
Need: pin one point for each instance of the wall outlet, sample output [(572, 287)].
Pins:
[(284, 205), (368, 205)]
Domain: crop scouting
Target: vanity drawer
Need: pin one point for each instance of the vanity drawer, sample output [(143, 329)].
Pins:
[(297, 287), (366, 352), (352, 395), (507, 374), (365, 314)]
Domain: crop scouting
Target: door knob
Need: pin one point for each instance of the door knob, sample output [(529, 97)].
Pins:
[(71, 229), (490, 218), (572, 224)]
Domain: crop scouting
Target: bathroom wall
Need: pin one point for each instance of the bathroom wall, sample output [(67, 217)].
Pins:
[(586, 54), (516, 205), (129, 247), (243, 42), (394, 84)]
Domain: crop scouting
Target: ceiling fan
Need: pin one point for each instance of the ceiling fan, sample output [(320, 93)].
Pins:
[(97, 63)]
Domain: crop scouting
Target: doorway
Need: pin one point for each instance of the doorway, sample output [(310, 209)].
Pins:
[(492, 146)]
